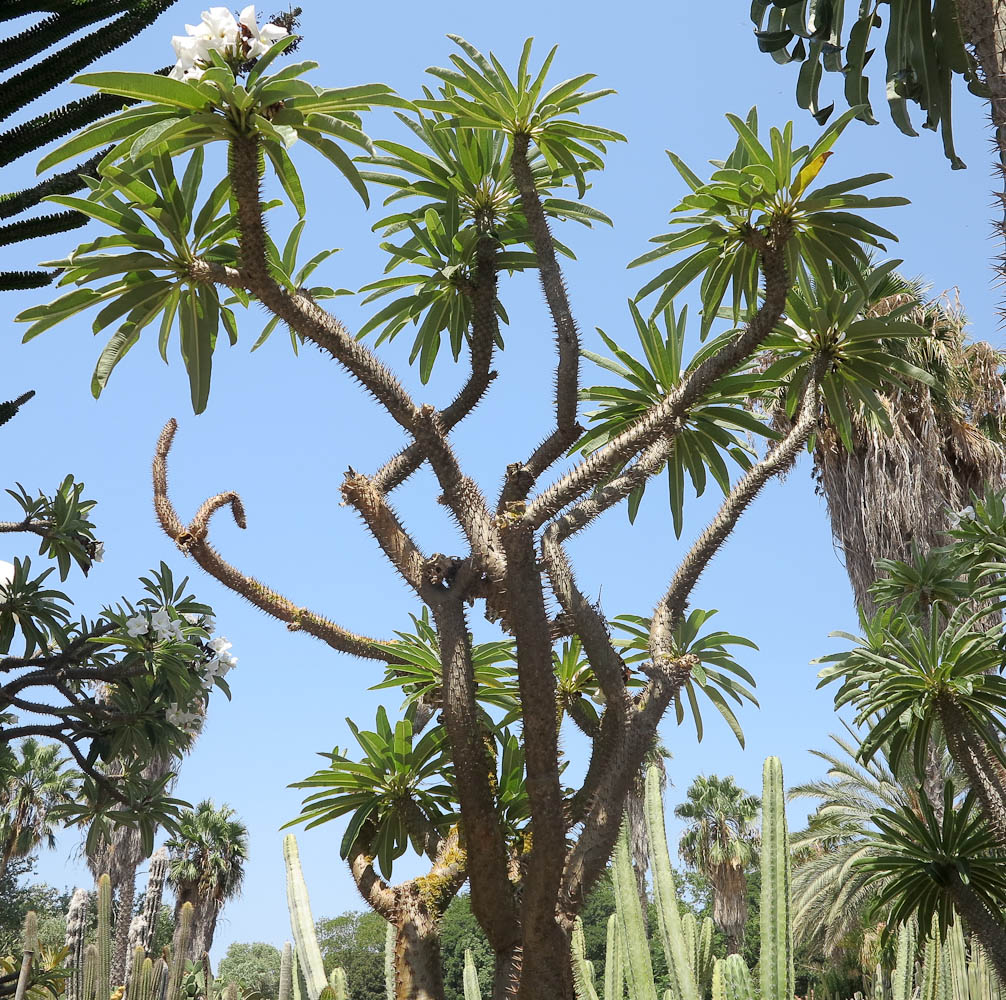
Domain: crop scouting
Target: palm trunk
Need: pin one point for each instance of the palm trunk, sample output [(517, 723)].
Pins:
[(971, 753), (984, 924)]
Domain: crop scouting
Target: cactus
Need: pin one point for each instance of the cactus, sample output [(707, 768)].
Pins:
[(301, 921), (90, 975), (901, 980), (134, 970), (614, 974), (143, 978), (160, 975), (286, 972), (103, 972), (632, 930), (295, 981), (776, 961), (151, 907), (583, 971), (471, 978), (731, 979), (668, 919), (29, 947), (180, 945), (389, 962), (337, 983), (137, 932), (76, 925)]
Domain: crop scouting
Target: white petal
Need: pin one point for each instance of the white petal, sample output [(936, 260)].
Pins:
[(6, 573), (248, 19), (271, 33)]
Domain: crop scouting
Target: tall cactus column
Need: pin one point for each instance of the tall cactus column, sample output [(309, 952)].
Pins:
[(776, 963), (103, 972), (76, 925)]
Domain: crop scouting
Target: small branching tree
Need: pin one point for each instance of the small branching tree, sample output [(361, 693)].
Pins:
[(499, 159)]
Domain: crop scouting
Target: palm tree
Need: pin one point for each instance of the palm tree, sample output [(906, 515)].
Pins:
[(720, 843), (932, 868), (33, 780), (208, 855), (907, 681), (891, 484), (833, 896)]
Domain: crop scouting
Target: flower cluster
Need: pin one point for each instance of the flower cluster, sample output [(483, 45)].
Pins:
[(956, 517), (238, 40), (217, 662)]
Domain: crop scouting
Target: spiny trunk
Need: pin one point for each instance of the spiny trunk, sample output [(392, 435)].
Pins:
[(506, 980), (983, 27), (972, 755), (418, 974), (546, 969), (123, 918), (984, 924)]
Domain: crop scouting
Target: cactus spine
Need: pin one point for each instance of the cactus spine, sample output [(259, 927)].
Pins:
[(668, 919), (301, 921), (731, 979), (471, 978), (776, 962), (76, 924), (151, 908), (103, 973), (286, 972), (583, 971), (135, 971), (160, 974), (179, 947)]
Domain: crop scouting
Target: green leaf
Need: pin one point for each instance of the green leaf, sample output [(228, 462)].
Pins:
[(339, 158), (198, 315), (287, 174), (146, 87)]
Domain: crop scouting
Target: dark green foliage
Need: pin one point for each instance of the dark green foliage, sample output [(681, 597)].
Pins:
[(17, 898), (56, 67), (355, 941)]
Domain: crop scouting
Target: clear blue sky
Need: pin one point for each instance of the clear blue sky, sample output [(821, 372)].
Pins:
[(281, 430)]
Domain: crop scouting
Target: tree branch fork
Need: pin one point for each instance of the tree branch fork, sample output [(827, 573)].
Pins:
[(514, 560)]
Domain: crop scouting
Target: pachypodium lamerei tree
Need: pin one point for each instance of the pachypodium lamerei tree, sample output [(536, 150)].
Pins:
[(131, 682), (501, 154)]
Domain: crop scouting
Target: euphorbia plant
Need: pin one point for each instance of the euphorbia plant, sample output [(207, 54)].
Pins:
[(501, 154)]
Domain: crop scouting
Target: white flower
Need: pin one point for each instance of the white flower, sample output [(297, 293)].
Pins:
[(956, 516), (136, 626), (191, 618), (209, 623), (220, 644), (99, 552), (6, 573), (258, 41), (165, 626), (218, 28), (190, 722)]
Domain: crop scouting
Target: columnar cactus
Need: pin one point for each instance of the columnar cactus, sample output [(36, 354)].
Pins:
[(672, 936), (337, 983), (470, 981), (90, 976), (904, 966), (134, 973), (731, 979), (776, 961), (309, 954), (614, 969), (583, 971), (29, 948), (179, 947), (151, 907), (286, 973), (389, 962), (103, 973), (638, 966), (76, 925)]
